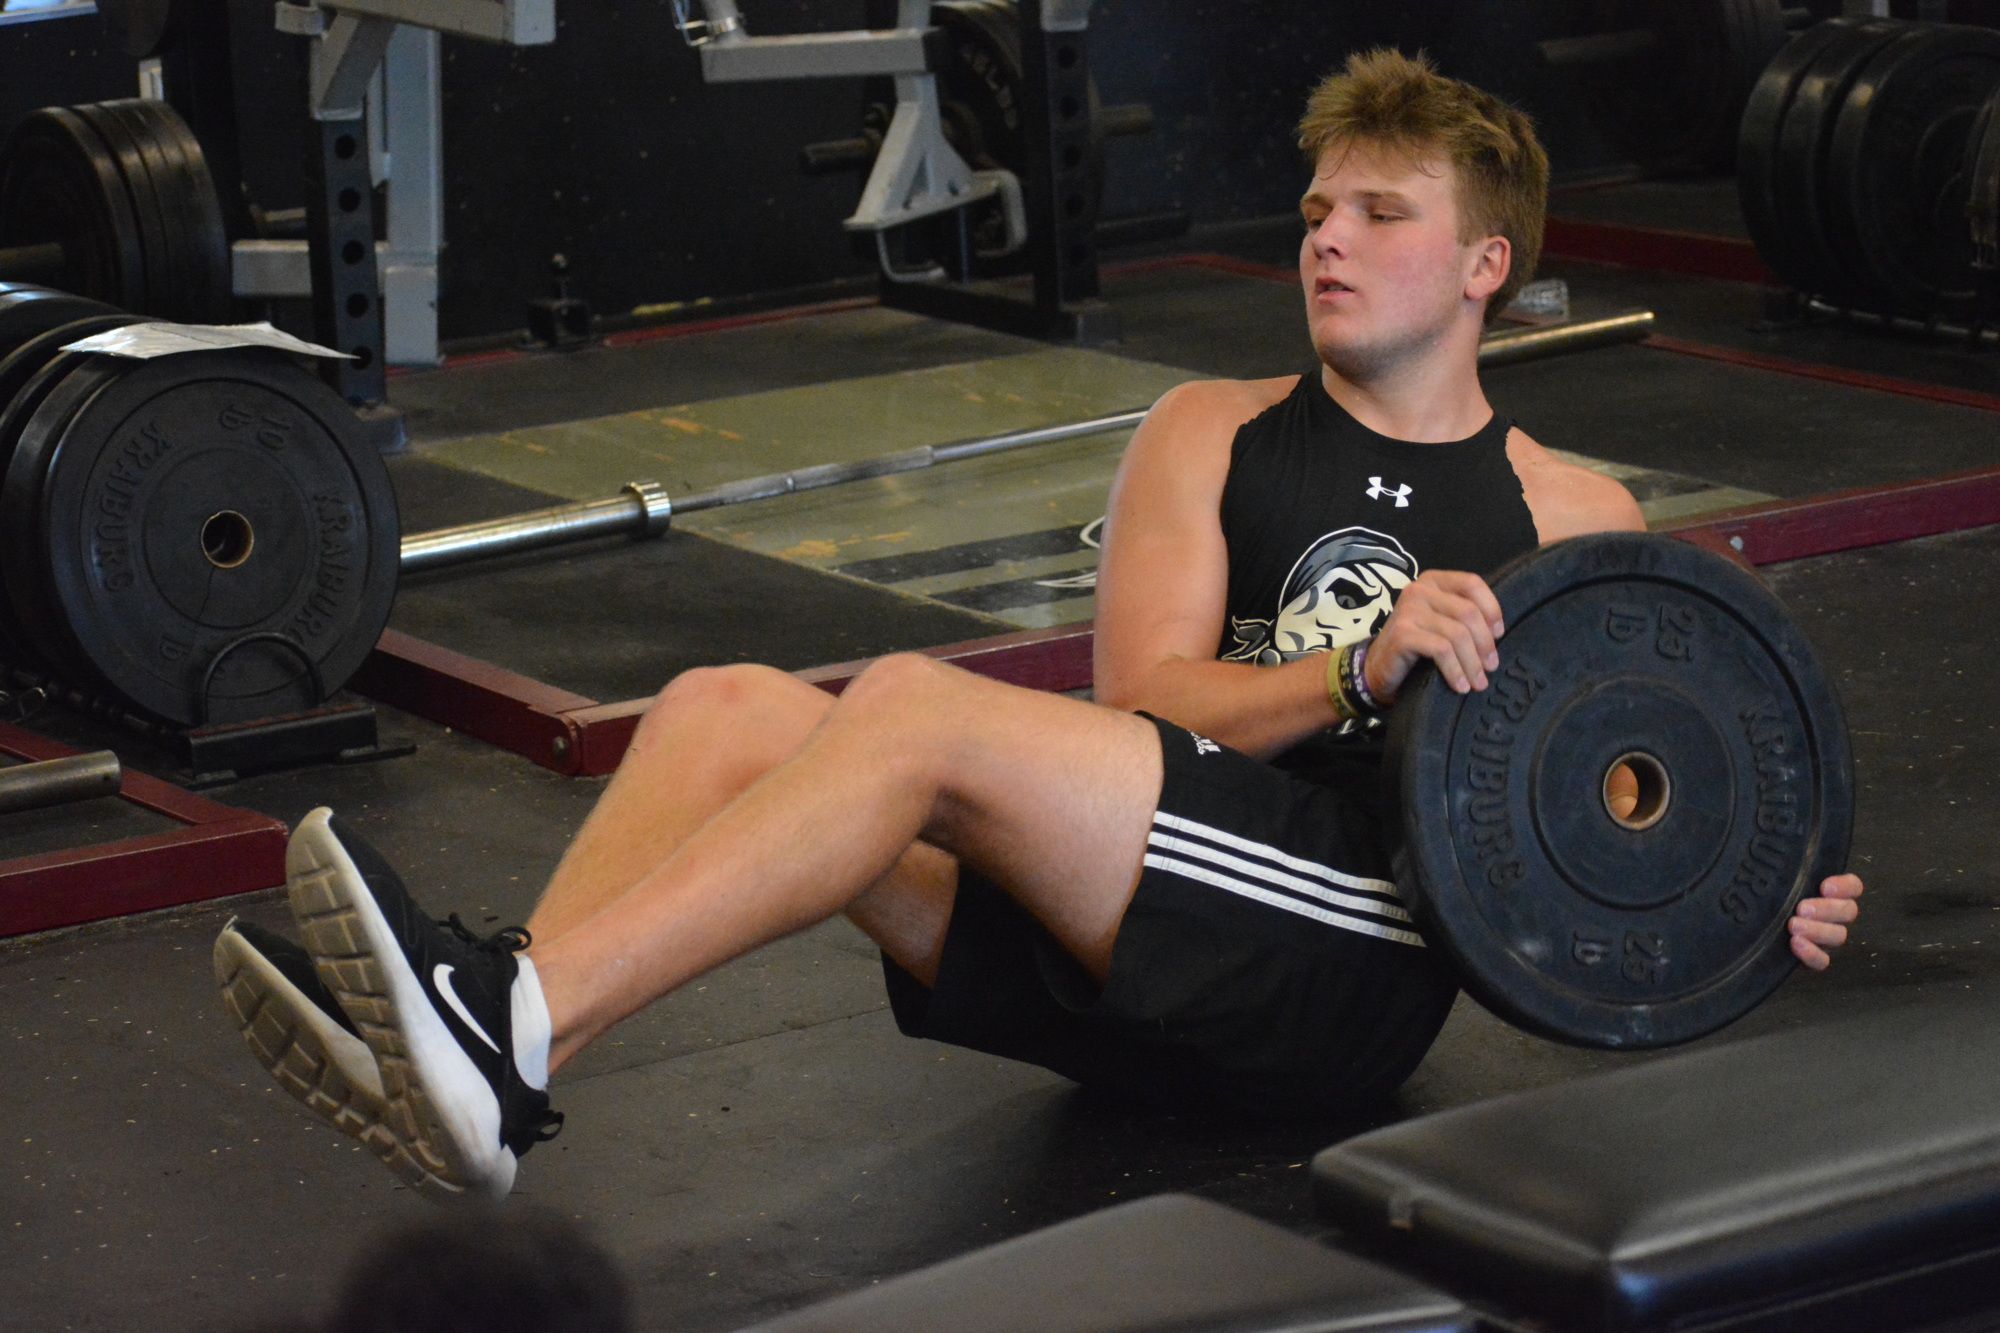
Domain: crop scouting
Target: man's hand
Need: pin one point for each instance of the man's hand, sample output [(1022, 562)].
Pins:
[(1452, 619), (1821, 923)]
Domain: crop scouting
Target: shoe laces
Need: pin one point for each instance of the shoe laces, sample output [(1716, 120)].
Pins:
[(508, 939)]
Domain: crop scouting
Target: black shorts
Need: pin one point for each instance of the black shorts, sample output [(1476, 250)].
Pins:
[(1264, 965)]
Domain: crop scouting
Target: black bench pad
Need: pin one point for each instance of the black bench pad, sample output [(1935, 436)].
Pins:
[(1836, 1169), (1169, 1262)]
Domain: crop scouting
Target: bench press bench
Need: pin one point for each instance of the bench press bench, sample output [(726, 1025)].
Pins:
[(1838, 1177)]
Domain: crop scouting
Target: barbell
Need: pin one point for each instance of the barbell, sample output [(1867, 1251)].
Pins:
[(211, 537)]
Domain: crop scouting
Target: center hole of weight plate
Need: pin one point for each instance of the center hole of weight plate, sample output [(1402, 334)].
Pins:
[(1637, 790), (226, 539)]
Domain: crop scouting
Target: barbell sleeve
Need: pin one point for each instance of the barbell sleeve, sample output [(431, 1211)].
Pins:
[(77, 777), (1504, 349)]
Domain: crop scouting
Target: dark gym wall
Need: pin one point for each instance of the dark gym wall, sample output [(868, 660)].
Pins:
[(608, 148)]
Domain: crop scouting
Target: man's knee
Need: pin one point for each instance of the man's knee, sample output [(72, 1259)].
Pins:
[(734, 698), (900, 684)]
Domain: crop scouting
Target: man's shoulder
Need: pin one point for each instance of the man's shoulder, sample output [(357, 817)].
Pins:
[(1209, 411), (1566, 498)]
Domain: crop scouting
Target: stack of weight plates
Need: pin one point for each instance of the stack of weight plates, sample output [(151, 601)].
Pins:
[(1860, 165), (203, 537), (122, 186)]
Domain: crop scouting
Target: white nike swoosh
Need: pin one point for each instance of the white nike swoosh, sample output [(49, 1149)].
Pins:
[(441, 979)]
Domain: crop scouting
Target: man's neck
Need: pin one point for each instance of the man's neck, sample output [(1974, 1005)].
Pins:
[(1431, 398)]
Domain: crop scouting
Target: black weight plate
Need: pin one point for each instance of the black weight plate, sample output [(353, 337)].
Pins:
[(23, 384), (1674, 107), (1560, 919), (198, 256), (148, 209), (143, 584), (1757, 145), (27, 311), (1896, 167), (56, 385), (1798, 184), (58, 182)]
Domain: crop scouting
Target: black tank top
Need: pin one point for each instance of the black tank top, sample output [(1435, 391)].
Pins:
[(1326, 522)]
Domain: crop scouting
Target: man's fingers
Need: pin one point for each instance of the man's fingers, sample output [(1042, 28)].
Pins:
[(1842, 910), (1449, 643), (1841, 886), (1809, 953), (1458, 672), (1473, 589), (1823, 933)]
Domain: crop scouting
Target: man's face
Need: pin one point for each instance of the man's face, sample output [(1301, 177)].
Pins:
[(1383, 270)]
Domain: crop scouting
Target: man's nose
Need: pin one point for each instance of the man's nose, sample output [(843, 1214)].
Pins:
[(1329, 237)]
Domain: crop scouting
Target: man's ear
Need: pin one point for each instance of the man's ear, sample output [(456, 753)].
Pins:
[(1493, 262)]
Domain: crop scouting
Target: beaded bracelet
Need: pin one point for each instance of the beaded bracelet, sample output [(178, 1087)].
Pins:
[(1362, 694)]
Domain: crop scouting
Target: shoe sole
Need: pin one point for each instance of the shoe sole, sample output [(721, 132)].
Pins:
[(312, 1058), (431, 1090)]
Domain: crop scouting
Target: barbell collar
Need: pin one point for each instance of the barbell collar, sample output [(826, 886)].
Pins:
[(656, 507)]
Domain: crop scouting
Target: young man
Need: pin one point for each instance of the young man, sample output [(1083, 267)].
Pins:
[(1146, 904)]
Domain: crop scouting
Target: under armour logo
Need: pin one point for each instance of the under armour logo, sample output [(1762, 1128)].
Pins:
[(1377, 491), (1203, 745)]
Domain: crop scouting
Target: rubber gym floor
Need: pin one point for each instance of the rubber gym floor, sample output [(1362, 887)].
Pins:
[(765, 1138)]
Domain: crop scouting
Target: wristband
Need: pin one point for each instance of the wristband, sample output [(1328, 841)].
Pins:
[(1362, 694), (1338, 691)]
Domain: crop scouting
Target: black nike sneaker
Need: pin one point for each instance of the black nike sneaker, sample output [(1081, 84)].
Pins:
[(296, 1029), (437, 1005)]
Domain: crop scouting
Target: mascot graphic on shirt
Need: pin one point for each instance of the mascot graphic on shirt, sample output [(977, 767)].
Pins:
[(1339, 592)]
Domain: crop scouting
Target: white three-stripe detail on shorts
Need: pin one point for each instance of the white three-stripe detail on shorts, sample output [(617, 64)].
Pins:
[(1219, 866), (1161, 819)]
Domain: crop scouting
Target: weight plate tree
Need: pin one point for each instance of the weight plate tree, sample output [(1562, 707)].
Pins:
[(210, 536), (1798, 181), (1895, 168), (113, 200), (1579, 920), (981, 87), (1672, 104)]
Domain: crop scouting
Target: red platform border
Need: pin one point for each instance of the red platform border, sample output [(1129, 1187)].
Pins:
[(221, 851)]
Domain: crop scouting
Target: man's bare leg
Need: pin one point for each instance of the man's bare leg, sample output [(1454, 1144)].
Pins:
[(1051, 797), (711, 733)]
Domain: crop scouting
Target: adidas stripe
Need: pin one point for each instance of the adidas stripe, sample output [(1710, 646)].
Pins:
[(1252, 870)]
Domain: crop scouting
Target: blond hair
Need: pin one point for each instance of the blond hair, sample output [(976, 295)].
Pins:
[(1402, 104)]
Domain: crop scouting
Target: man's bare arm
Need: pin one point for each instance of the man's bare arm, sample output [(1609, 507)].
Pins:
[(1163, 583), (1567, 500)]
